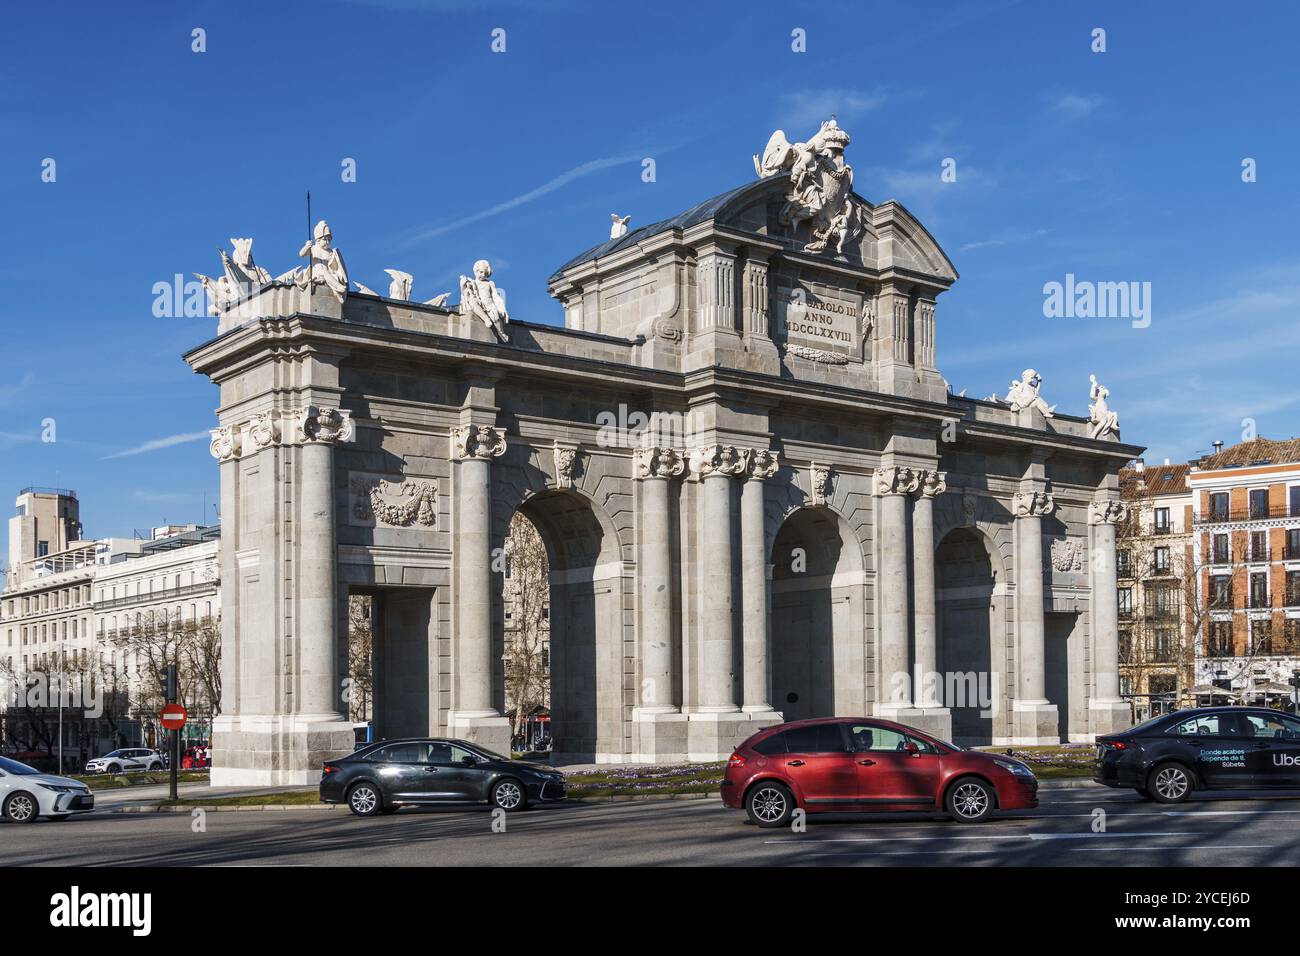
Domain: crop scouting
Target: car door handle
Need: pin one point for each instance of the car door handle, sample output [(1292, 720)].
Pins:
[(1262, 745), (794, 763), (1194, 742), (430, 769), (867, 763)]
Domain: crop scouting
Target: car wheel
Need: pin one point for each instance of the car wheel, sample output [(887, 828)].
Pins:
[(1170, 783), (508, 795), (769, 804), (21, 808), (969, 800), (365, 800), (113, 768), (155, 766)]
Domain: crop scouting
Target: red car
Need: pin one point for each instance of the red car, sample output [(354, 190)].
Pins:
[(851, 765)]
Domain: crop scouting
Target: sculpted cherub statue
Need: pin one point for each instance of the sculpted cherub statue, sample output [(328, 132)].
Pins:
[(1024, 394), (1104, 421), (480, 296)]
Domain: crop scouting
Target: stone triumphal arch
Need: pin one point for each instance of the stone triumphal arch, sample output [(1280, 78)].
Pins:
[(757, 493)]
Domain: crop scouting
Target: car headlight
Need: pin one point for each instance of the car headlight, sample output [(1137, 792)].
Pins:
[(59, 788), (1019, 769)]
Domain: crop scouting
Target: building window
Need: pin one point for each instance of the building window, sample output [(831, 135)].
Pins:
[(1259, 589), (1259, 546), (1162, 560), (1220, 549), (1162, 645), (1221, 591), (1160, 602), (1162, 521), (42, 548), (1293, 589), (1293, 544), (1218, 641), (1219, 506), (1125, 602), (1291, 636), (1261, 637), (1124, 559), (1259, 503), (1294, 493)]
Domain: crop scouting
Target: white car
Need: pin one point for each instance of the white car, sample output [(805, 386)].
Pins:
[(26, 793), (121, 761)]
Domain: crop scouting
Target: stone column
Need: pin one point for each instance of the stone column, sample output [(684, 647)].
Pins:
[(659, 726), (760, 464), (1107, 711), (319, 429), (932, 484), (715, 465), (1034, 717), (893, 485), (473, 447), (656, 468), (226, 447)]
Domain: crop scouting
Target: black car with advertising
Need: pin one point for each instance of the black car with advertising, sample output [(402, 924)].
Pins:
[(392, 774), (1207, 748)]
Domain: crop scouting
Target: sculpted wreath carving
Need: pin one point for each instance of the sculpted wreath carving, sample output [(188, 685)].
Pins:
[(416, 502)]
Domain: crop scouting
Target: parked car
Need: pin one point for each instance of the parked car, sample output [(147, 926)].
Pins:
[(1206, 748), (127, 759), (26, 793), (392, 774), (852, 765)]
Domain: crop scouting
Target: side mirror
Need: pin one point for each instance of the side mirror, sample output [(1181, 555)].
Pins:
[(469, 761), (911, 748)]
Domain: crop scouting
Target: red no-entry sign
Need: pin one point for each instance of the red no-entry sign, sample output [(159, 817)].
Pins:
[(173, 716)]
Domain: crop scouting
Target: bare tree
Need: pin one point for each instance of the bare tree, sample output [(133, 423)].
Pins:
[(527, 603), (361, 639)]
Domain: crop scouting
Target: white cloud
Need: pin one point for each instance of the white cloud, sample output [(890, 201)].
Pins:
[(809, 108), (577, 172), (1075, 106), (158, 443)]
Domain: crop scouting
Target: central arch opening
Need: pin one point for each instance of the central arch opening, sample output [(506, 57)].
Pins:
[(965, 580), (562, 675), (816, 597)]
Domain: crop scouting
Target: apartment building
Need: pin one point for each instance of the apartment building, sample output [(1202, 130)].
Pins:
[(1246, 508), (1154, 569)]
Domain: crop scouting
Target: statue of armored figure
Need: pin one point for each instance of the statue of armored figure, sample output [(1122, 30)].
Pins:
[(821, 185), (1024, 394), (480, 297), (326, 266), (1104, 421)]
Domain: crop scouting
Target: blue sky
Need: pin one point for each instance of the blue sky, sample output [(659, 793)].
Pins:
[(1115, 166)]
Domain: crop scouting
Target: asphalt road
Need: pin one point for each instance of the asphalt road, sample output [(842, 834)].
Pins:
[(1202, 832)]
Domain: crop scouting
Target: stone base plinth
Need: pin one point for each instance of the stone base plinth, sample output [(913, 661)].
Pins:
[(712, 736), (659, 737), (935, 721), (491, 732), (1109, 717), (271, 750), (1034, 723)]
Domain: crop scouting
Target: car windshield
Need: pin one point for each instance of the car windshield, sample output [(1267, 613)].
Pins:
[(491, 755), (16, 768)]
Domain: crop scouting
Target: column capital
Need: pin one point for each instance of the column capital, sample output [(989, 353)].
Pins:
[(227, 442), (656, 462), (1032, 504), (897, 480), (316, 423), (1107, 512), (482, 442), (931, 484), (714, 459), (760, 463)]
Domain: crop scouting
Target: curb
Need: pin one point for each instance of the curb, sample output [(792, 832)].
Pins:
[(611, 798)]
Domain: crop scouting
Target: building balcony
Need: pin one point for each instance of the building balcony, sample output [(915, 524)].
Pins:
[(1162, 529), (1259, 602), (154, 597), (1291, 552), (1258, 556), (1244, 514)]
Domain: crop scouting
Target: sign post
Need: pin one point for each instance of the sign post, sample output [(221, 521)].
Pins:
[(173, 719)]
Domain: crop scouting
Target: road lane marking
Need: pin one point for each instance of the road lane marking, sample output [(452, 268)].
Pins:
[(1245, 846), (1019, 836)]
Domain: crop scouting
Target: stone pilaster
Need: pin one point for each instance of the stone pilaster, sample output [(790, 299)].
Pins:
[(893, 484), (1107, 712), (760, 464), (1034, 718), (473, 716), (926, 683), (660, 726)]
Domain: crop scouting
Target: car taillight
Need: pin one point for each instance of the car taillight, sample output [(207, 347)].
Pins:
[(328, 769), (736, 760)]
